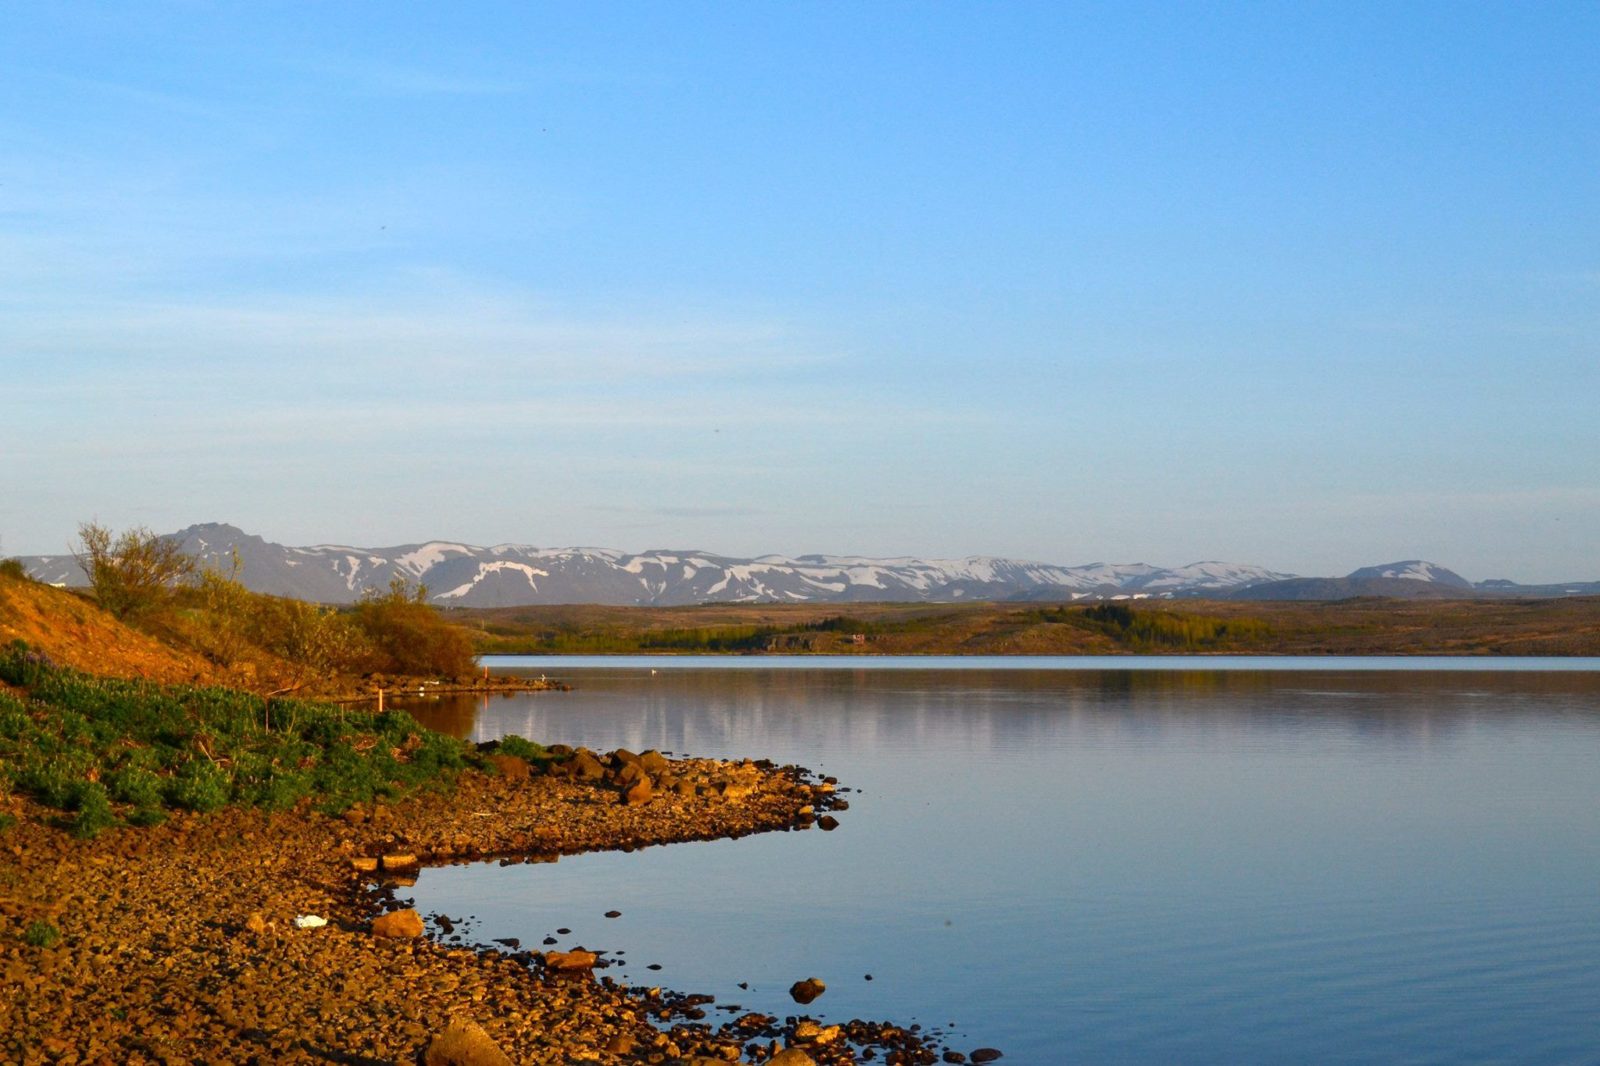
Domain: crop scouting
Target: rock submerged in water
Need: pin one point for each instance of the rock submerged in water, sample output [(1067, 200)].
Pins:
[(570, 961), (803, 992), (464, 1043), (985, 1054)]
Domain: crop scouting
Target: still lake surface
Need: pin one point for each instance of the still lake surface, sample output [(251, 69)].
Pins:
[(1147, 861)]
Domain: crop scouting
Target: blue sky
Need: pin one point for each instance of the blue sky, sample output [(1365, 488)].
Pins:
[(1306, 285)]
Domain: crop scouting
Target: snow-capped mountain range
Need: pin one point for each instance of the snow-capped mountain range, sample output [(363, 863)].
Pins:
[(516, 574)]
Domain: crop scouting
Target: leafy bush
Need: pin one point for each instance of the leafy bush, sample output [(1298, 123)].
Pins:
[(135, 785), (522, 748), (89, 799), (131, 573), (20, 665), (1170, 628), (14, 570), (55, 778), (409, 636), (201, 785)]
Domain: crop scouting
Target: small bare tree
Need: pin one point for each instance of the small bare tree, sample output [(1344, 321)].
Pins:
[(131, 573)]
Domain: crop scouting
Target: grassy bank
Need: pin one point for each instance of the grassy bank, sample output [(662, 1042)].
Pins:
[(108, 751)]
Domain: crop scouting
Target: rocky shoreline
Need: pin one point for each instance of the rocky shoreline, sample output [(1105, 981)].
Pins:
[(180, 942)]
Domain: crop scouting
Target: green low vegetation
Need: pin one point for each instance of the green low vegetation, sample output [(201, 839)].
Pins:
[(106, 751), (41, 934), (574, 638), (1143, 629)]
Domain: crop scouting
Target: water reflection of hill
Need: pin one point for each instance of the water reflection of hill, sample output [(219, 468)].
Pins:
[(795, 714)]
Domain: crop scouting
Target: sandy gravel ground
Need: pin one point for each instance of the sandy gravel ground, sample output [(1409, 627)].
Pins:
[(179, 943)]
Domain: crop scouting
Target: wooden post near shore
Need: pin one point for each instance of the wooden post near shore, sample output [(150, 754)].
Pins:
[(380, 701)]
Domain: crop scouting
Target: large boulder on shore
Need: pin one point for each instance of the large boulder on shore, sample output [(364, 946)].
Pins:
[(585, 766), (398, 925), (510, 767), (639, 792)]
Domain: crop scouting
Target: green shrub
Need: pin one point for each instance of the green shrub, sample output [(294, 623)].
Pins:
[(1146, 628), (409, 636), (136, 785), (147, 816), (131, 573), (55, 778), (20, 665), (41, 934), (14, 570), (522, 748), (89, 799), (200, 785), (14, 720)]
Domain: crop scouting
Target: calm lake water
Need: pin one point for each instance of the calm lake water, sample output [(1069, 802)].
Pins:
[(1152, 862)]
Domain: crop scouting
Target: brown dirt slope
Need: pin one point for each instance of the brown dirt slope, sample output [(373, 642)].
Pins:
[(74, 632)]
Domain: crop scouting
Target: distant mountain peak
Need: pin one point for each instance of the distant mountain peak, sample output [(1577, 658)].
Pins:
[(1413, 570)]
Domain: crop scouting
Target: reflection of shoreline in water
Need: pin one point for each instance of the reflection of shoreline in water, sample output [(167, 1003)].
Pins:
[(1142, 866), (718, 711)]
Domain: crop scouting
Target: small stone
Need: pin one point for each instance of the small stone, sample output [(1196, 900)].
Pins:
[(809, 1032), (398, 925), (613, 914), (827, 823), (985, 1054), (364, 864), (399, 860), (803, 992), (256, 924), (639, 793), (464, 1043)]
